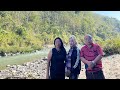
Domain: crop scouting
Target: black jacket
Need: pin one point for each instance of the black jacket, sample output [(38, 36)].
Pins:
[(73, 60)]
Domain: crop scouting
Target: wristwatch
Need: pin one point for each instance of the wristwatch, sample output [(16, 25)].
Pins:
[(93, 62)]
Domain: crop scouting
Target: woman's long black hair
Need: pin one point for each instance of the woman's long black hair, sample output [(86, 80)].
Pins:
[(62, 46)]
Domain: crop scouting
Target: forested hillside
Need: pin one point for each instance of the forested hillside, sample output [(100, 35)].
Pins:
[(26, 31)]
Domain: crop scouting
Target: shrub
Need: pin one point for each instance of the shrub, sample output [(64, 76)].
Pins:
[(112, 46)]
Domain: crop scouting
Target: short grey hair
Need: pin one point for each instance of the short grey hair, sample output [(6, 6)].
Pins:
[(88, 35)]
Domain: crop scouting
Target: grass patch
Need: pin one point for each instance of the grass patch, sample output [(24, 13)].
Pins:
[(19, 59)]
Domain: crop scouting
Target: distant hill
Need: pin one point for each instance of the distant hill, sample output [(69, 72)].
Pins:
[(26, 31)]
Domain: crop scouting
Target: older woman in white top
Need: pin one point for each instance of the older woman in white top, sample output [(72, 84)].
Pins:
[(73, 64)]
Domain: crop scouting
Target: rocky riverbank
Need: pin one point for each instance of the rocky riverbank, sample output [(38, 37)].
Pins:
[(37, 69), (29, 70)]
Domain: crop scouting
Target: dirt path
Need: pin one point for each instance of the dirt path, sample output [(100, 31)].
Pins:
[(111, 67)]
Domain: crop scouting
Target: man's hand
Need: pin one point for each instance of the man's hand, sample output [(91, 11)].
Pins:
[(90, 64)]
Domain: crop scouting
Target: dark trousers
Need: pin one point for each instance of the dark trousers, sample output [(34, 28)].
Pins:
[(95, 75), (73, 76), (57, 76)]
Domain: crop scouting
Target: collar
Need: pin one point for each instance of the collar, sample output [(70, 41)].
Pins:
[(91, 44)]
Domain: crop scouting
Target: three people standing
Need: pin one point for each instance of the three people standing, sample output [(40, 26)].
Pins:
[(61, 63)]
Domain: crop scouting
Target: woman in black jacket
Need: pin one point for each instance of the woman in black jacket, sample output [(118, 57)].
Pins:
[(73, 64)]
